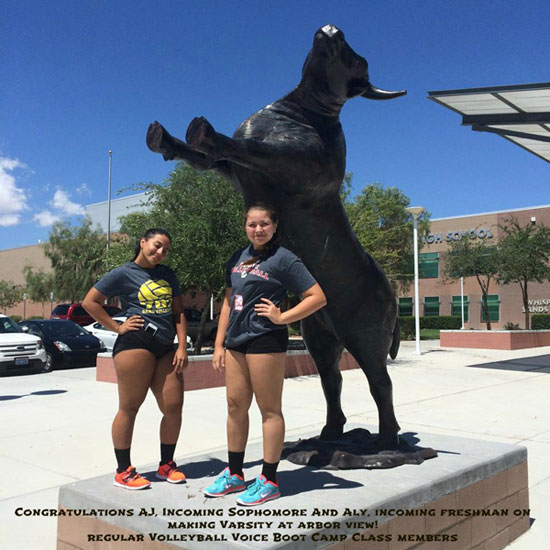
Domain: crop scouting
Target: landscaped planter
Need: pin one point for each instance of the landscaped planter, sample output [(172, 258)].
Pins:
[(200, 374), (494, 339)]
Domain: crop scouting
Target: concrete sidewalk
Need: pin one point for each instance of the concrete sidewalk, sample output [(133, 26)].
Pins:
[(56, 427)]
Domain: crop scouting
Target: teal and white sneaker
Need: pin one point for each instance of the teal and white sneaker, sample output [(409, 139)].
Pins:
[(259, 492), (225, 484)]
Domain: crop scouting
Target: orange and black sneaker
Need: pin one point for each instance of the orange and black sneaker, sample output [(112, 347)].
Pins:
[(130, 479), (169, 472)]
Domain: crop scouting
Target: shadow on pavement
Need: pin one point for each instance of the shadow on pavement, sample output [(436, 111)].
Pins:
[(540, 363), (42, 392), (307, 479)]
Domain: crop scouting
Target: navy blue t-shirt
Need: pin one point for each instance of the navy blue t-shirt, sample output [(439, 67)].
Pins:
[(144, 291), (269, 278)]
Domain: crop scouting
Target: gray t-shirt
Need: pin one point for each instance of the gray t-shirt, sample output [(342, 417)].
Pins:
[(269, 278), (144, 291)]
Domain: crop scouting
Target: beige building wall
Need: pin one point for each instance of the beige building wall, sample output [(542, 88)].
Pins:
[(12, 263), (13, 260)]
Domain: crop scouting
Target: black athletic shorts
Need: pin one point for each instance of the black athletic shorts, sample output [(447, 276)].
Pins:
[(138, 339), (275, 341)]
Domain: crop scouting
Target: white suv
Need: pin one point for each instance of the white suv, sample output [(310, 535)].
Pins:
[(20, 351)]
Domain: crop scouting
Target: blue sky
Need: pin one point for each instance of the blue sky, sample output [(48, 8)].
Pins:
[(82, 77)]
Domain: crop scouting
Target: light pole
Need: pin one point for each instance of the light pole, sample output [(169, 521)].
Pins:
[(462, 300), (416, 211), (109, 200)]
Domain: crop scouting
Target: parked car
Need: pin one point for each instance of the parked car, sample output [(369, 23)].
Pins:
[(20, 351), (76, 313), (193, 318), (67, 344), (108, 336)]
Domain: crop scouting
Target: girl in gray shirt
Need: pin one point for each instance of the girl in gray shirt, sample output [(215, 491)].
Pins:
[(253, 329)]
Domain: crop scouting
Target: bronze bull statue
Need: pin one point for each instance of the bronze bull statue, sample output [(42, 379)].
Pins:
[(292, 154)]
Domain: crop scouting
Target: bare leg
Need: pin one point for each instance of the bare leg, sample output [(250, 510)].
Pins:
[(167, 387), (239, 396), (134, 370), (267, 373)]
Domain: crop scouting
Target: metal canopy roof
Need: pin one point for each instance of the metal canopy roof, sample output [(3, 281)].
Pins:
[(519, 113)]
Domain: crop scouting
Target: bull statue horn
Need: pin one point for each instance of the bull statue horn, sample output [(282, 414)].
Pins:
[(372, 92)]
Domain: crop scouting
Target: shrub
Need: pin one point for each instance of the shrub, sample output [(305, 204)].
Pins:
[(511, 326), (540, 321), (406, 327), (15, 318), (441, 322), (36, 317), (294, 329)]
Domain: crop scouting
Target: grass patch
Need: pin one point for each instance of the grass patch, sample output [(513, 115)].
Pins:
[(429, 334)]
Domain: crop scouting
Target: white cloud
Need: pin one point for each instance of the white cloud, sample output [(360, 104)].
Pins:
[(84, 190), (45, 218), (13, 200), (62, 202)]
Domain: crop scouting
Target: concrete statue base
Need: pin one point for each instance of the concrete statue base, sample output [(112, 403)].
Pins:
[(474, 494)]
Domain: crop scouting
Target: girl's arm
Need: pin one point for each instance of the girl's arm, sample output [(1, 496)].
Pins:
[(180, 360), (93, 304), (218, 360), (312, 300)]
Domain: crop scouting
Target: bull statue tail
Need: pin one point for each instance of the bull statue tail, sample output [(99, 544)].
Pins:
[(394, 348)]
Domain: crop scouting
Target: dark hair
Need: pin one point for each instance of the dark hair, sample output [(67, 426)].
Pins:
[(150, 233), (274, 241)]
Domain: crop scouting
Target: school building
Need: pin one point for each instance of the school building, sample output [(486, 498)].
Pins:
[(440, 297)]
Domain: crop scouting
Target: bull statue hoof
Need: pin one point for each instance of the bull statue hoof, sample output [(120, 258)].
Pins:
[(357, 448), (160, 141), (201, 135), (387, 442), (332, 433)]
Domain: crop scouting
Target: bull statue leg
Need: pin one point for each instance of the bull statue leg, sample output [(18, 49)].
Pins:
[(326, 351), (160, 141), (368, 350)]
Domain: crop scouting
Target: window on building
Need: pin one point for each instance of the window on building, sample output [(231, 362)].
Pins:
[(428, 265), (431, 306), (493, 302), (405, 307), (456, 307)]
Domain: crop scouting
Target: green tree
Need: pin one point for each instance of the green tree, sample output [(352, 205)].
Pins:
[(77, 254), (469, 258), (525, 257), (384, 227), (204, 216), (38, 285), (10, 294)]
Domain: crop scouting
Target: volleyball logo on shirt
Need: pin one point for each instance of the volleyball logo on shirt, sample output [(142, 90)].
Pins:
[(238, 303), (155, 296)]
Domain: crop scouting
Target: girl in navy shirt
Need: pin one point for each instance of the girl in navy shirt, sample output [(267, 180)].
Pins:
[(253, 329)]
